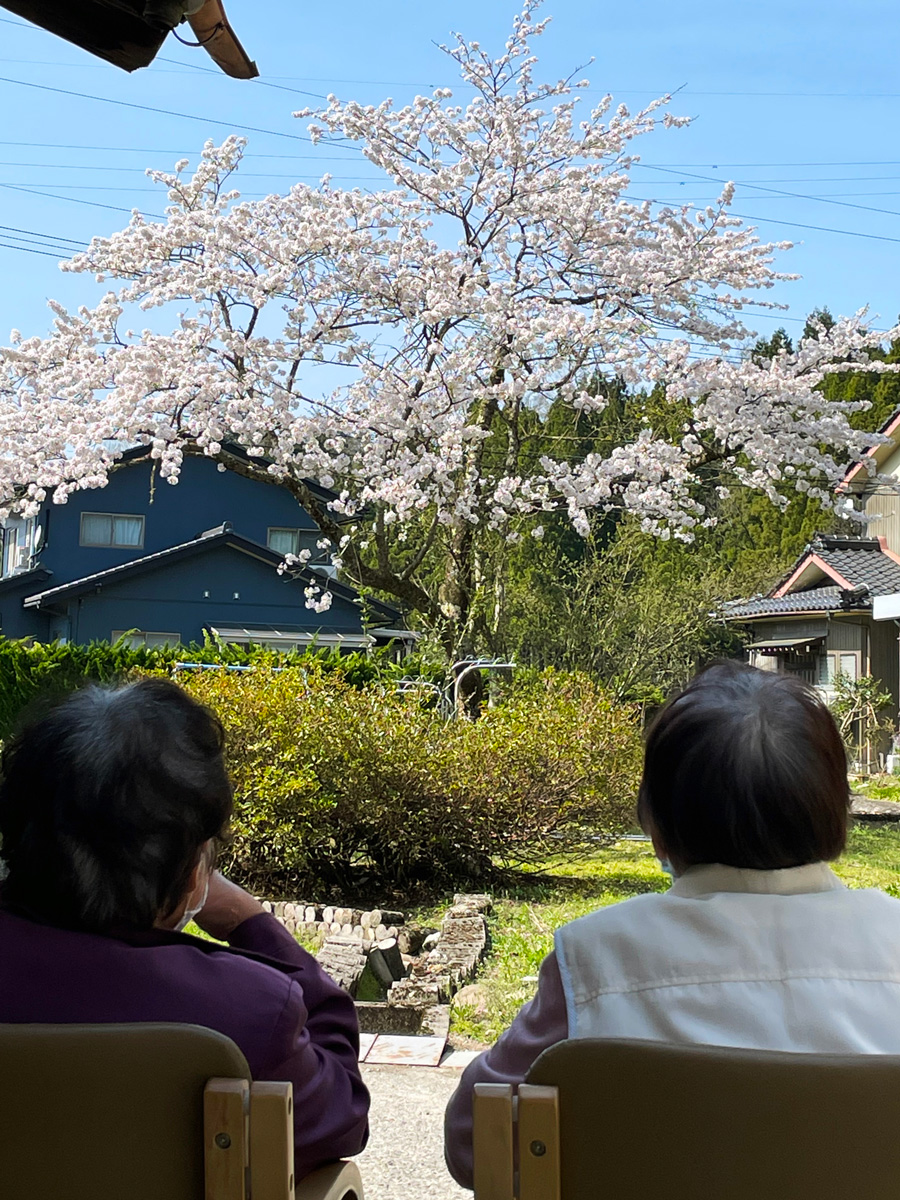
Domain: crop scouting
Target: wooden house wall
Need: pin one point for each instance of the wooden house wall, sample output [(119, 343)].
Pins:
[(848, 635), (885, 658), (885, 506)]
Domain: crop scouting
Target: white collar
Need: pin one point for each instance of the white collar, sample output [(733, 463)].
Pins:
[(788, 881)]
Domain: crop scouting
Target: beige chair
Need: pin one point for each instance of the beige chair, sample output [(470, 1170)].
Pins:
[(637, 1120), (146, 1112)]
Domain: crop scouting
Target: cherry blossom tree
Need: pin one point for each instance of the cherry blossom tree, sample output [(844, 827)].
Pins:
[(401, 346)]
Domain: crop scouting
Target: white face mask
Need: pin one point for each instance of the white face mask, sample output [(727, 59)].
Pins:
[(190, 913)]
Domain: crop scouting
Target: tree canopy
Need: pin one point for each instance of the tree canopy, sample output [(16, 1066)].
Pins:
[(434, 350)]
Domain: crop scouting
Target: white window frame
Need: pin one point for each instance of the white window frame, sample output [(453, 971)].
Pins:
[(112, 544), (18, 545), (137, 638), (836, 656), (292, 530)]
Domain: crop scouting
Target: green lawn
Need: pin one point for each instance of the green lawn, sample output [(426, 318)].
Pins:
[(879, 787), (524, 919)]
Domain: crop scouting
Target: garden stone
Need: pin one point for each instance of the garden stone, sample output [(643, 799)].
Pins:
[(388, 950)]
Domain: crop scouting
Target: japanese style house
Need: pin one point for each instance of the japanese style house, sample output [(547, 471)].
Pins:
[(164, 564)]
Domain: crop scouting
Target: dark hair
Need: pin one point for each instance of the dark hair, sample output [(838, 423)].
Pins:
[(746, 768), (105, 802)]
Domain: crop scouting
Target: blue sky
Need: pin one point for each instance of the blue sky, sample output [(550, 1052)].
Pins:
[(792, 97)]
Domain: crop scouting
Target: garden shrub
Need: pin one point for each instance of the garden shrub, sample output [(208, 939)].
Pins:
[(339, 787), (43, 671)]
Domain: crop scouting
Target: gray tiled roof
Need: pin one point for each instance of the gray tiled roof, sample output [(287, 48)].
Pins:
[(822, 599), (860, 561)]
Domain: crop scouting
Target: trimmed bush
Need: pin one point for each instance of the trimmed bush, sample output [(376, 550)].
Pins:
[(29, 673), (348, 788)]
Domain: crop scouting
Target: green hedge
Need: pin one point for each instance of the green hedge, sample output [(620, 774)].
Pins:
[(364, 789), (33, 672), (344, 783)]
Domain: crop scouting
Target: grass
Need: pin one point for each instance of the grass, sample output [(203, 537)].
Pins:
[(525, 917), (879, 787)]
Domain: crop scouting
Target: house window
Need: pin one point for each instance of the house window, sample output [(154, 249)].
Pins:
[(117, 530), (137, 638), (283, 541), (844, 661), (18, 544)]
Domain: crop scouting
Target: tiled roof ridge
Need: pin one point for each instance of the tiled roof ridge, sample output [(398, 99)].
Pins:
[(841, 541)]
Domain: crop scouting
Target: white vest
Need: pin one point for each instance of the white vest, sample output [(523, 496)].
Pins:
[(777, 960)]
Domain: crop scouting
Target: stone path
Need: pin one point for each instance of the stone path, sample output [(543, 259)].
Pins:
[(866, 809), (405, 1155)]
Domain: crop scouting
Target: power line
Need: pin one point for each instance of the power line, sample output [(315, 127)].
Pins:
[(711, 197), (31, 250), (38, 233), (43, 87), (13, 187), (137, 191), (258, 82), (877, 237), (875, 162), (146, 150), (891, 212), (126, 170), (802, 179)]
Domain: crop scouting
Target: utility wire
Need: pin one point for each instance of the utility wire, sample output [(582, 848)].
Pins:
[(165, 112), (139, 191), (877, 237), (31, 250), (13, 187), (891, 212), (875, 162), (145, 150), (257, 82), (38, 233)]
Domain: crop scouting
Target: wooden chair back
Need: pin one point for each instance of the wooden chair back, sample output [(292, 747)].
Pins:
[(145, 1112), (638, 1119)]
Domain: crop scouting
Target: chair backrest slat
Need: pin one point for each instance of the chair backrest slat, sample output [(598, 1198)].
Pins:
[(226, 1136), (105, 1112), (538, 1134), (640, 1118), (493, 1141), (271, 1141)]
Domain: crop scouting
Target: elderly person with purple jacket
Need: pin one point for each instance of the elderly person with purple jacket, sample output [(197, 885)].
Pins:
[(110, 807)]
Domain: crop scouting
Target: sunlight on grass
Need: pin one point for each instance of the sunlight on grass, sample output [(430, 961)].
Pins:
[(525, 918)]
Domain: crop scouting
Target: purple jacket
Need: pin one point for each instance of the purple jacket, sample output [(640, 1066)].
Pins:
[(264, 991)]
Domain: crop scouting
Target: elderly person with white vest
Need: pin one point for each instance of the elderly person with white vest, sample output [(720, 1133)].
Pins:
[(757, 943)]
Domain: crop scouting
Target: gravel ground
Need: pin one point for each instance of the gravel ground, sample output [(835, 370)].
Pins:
[(405, 1155)]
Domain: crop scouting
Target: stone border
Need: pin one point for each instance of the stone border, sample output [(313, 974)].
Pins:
[(462, 944), (328, 920)]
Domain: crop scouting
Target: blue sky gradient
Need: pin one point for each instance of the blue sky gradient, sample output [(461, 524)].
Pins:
[(800, 98)]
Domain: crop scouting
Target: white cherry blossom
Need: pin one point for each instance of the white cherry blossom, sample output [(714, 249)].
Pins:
[(501, 268)]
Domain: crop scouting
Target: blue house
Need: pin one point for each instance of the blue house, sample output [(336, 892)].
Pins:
[(163, 564)]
